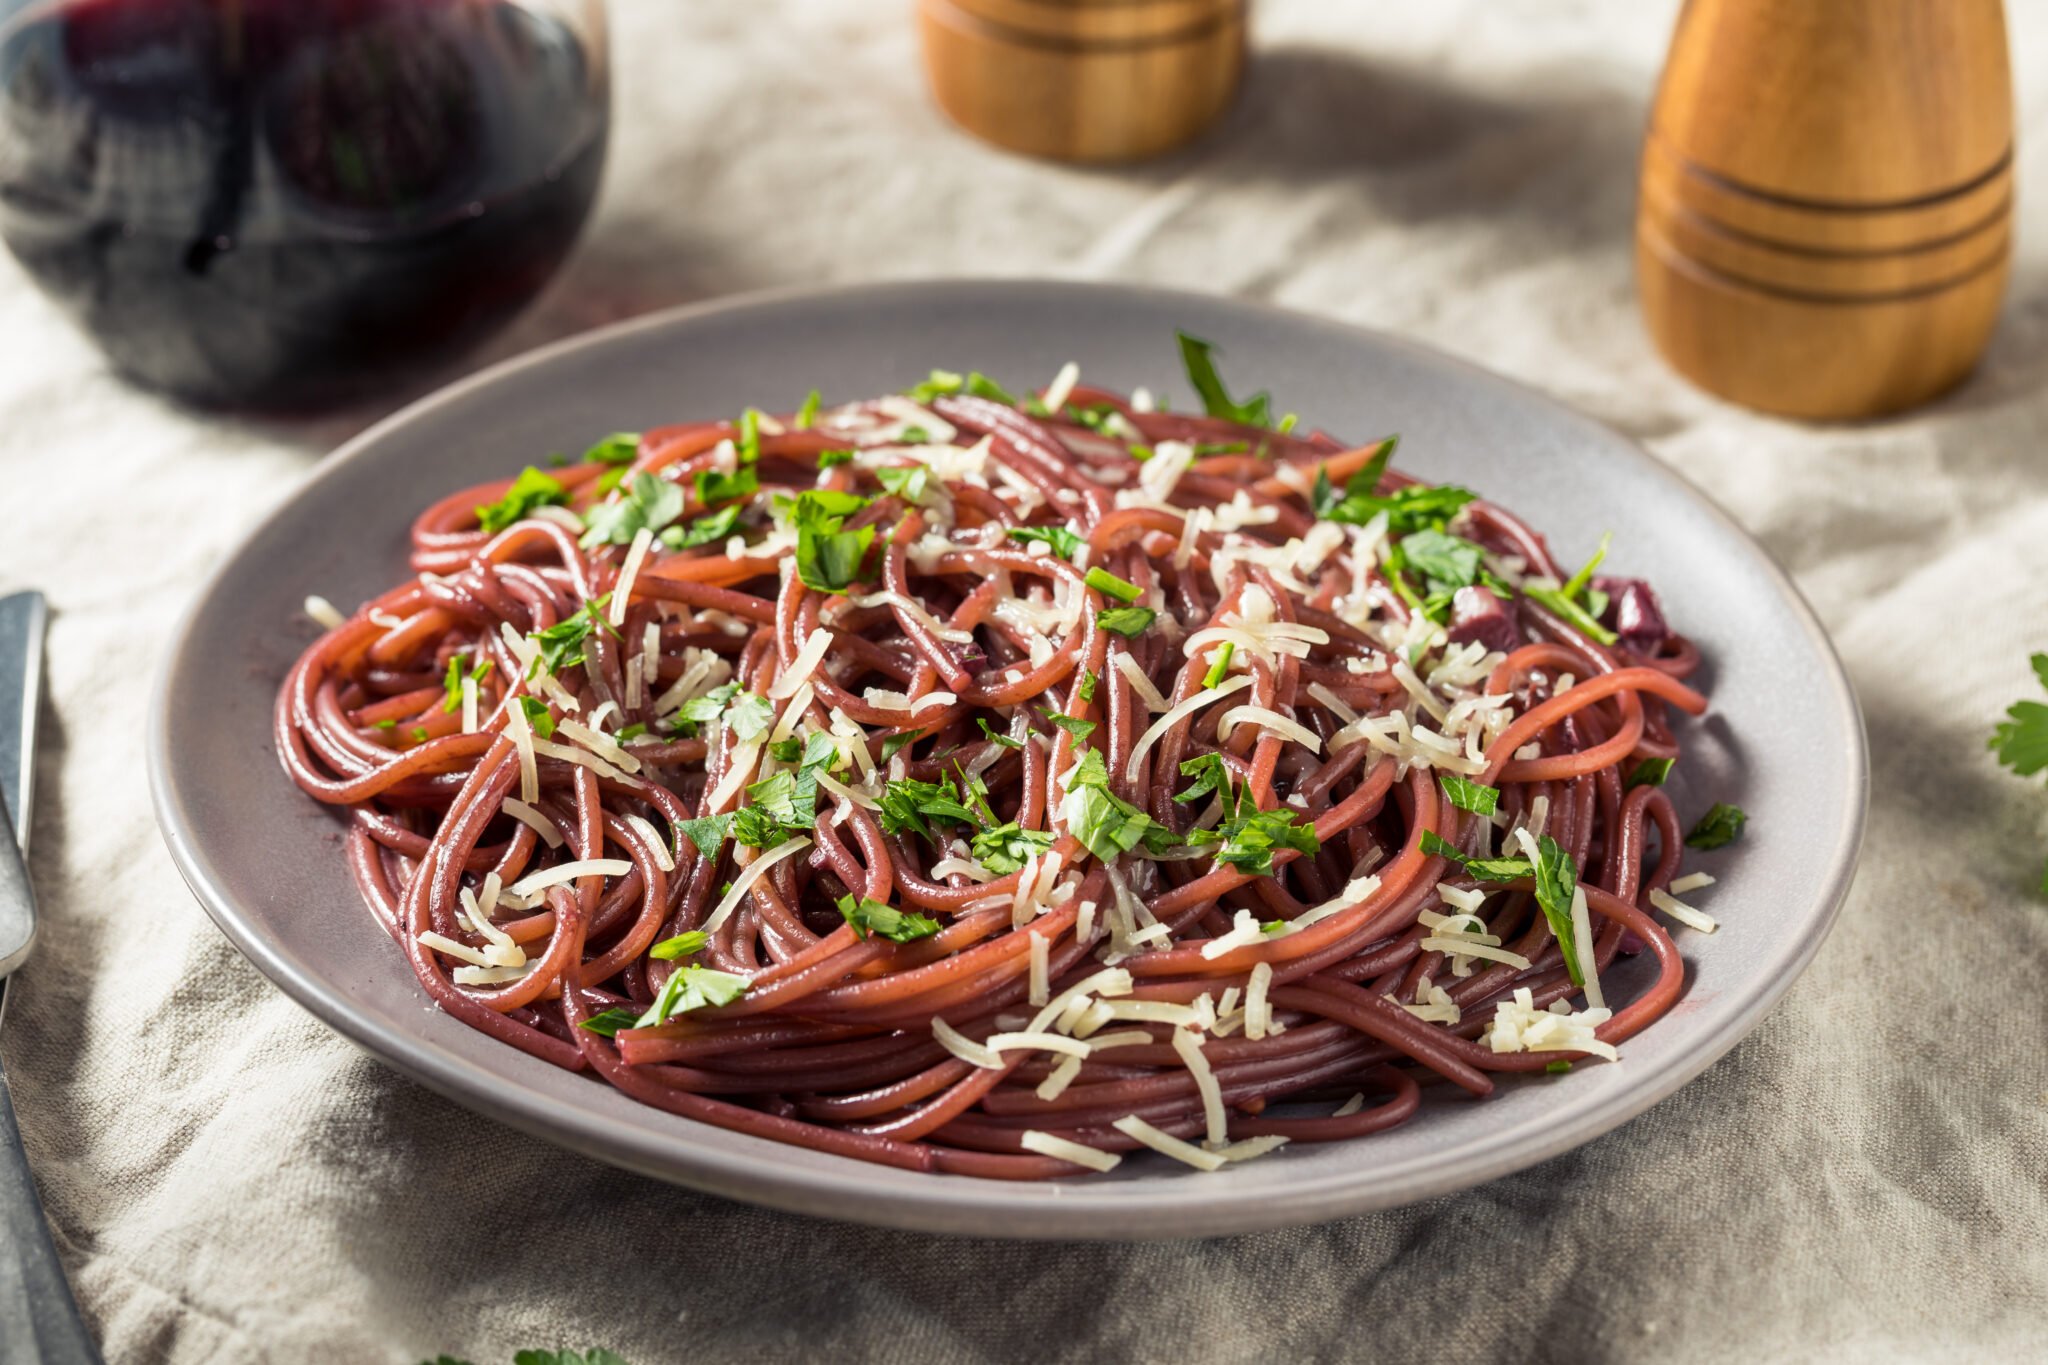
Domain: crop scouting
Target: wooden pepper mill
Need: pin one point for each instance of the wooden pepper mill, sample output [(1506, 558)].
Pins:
[(1084, 80), (1825, 219)]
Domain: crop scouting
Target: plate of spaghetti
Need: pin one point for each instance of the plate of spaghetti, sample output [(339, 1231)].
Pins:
[(954, 756)]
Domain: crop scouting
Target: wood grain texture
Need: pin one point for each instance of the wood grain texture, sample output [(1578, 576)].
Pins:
[(1824, 223), (1084, 80)]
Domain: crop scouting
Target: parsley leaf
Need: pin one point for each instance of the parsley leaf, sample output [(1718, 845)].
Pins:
[(1446, 562), (1110, 585), (621, 447), (1557, 878), (1565, 600), (561, 645), (1002, 850), (894, 744), (945, 382), (607, 1025), (1073, 725), (905, 481), (907, 804), (1651, 772), (1199, 357), (828, 458), (1066, 544), (704, 530), (828, 559), (1248, 837), (715, 485), (1110, 826), (808, 413), (997, 736), (1481, 869), (451, 685), (1085, 689), (2021, 740), (872, 917), (530, 490), (1126, 621), (650, 503), (1363, 483), (1219, 664), (693, 988), (687, 944), (538, 718), (1719, 827), (706, 832), (1472, 796)]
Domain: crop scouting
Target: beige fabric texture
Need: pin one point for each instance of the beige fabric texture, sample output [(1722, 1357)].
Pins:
[(1861, 1180)]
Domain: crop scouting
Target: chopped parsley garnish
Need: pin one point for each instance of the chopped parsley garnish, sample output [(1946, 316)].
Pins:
[(1219, 666), (633, 731), (1480, 869), (1558, 1067), (1003, 850), (1086, 688), (907, 804), (650, 503), (1576, 601), (786, 750), (746, 714), (621, 447), (608, 1024), (808, 413), (1557, 878), (1126, 621), (786, 801), (996, 736), (419, 734), (687, 944), (2021, 739), (1110, 585), (692, 988), (829, 458), (538, 718), (1066, 544), (704, 530), (872, 917), (894, 744), (561, 645), (1199, 357), (749, 443), (1073, 725), (1360, 488), (828, 559), (715, 485), (906, 482), (1719, 827), (706, 832), (388, 723), (530, 490), (1248, 837), (451, 685), (1651, 772), (944, 382), (1446, 562), (1472, 796), (1108, 825)]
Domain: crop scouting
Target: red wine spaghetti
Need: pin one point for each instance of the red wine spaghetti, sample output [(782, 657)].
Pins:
[(997, 786)]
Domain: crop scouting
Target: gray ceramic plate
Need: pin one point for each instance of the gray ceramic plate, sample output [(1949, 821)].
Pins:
[(1784, 741)]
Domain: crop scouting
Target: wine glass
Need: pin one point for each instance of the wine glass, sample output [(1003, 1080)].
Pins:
[(281, 204)]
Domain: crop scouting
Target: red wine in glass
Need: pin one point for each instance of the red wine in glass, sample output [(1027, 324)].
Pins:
[(281, 204)]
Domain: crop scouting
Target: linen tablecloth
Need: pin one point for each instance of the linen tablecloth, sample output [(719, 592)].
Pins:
[(1861, 1180)]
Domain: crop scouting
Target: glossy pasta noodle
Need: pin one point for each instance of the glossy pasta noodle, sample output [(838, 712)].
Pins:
[(995, 786)]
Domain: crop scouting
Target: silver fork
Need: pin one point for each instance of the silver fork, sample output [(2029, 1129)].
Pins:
[(39, 1322)]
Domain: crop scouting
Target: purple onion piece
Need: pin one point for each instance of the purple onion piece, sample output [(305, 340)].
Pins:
[(1476, 614), (1634, 614)]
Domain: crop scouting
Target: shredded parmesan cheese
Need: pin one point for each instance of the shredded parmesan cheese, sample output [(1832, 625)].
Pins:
[(1131, 1126), (550, 834), (744, 882), (965, 1048), (803, 665), (622, 592), (1047, 1144), (324, 612), (1172, 717)]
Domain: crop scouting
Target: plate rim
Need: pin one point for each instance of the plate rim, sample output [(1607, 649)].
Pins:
[(954, 1204)]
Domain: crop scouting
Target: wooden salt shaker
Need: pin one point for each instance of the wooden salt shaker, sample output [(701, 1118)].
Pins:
[(1084, 80), (1825, 219)]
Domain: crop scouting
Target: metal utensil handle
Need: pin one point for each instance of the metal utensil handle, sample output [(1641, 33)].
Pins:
[(39, 1322)]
